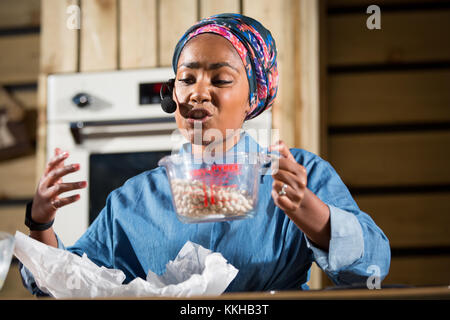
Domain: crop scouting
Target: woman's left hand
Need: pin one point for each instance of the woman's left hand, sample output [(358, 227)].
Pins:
[(290, 177)]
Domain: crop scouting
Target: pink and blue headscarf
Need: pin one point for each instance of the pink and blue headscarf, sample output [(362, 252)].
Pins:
[(256, 47)]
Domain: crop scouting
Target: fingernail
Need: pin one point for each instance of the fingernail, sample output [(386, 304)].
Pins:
[(83, 184), (76, 166)]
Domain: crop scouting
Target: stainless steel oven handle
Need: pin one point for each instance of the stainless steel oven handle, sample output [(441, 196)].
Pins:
[(167, 124)]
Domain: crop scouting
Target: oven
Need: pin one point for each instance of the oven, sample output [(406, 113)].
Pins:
[(113, 125)]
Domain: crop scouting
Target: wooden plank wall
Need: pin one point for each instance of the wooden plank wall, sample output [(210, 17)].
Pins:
[(388, 123), (19, 68)]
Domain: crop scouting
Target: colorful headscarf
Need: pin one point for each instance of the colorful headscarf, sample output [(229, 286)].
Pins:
[(256, 47)]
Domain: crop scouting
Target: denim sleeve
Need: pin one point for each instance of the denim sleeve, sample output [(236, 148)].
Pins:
[(28, 279), (358, 248)]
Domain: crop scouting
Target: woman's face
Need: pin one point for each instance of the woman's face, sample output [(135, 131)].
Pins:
[(211, 88)]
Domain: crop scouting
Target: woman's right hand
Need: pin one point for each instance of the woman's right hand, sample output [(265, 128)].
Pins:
[(46, 201)]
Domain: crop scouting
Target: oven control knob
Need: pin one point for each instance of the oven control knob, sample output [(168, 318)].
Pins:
[(81, 100)]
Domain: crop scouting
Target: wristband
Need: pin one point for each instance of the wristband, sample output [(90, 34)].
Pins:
[(32, 225)]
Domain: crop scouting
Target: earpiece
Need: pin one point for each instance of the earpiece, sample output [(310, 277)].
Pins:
[(167, 103)]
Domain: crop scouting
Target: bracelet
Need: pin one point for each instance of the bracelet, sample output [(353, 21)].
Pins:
[(32, 225)]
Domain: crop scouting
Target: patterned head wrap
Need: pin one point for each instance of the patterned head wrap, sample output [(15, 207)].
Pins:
[(255, 46)]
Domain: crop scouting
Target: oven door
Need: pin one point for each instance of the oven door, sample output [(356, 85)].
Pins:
[(109, 153)]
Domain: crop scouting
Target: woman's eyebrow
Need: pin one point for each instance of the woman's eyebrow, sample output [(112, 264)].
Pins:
[(212, 66)]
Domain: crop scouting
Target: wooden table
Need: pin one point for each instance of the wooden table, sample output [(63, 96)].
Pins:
[(432, 292), (438, 292), (441, 292)]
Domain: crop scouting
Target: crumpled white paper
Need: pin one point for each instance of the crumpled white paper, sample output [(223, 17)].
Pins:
[(62, 274)]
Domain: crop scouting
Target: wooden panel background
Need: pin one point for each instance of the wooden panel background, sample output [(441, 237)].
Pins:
[(19, 69), (12, 218), (394, 97), (20, 58), (18, 178), (210, 7), (138, 24), (392, 159), (19, 14), (419, 270), (98, 45), (410, 220), (388, 126), (410, 36), (185, 13), (365, 3), (56, 37)]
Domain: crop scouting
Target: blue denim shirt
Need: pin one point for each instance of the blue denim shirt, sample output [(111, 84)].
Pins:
[(138, 231)]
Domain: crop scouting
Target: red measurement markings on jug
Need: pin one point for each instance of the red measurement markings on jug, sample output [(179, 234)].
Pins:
[(218, 176)]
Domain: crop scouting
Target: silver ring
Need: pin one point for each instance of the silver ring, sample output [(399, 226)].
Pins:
[(282, 192), (53, 204)]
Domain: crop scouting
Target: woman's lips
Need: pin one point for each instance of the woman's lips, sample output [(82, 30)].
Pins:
[(201, 120), (200, 115)]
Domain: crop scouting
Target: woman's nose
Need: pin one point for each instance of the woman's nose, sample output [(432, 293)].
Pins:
[(200, 93)]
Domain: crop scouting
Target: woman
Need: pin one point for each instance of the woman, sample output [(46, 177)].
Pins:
[(226, 73)]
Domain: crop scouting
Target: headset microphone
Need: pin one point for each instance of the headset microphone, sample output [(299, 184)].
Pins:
[(167, 103)]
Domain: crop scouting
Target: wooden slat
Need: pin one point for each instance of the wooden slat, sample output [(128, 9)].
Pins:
[(211, 7), (19, 13), (98, 42), (41, 134), (307, 69), (138, 34), (419, 271), (381, 3), (175, 17), (418, 158), (12, 219), (414, 271), (389, 97), (278, 18), (17, 178), (412, 36), (19, 58), (323, 80), (59, 44), (410, 220)]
